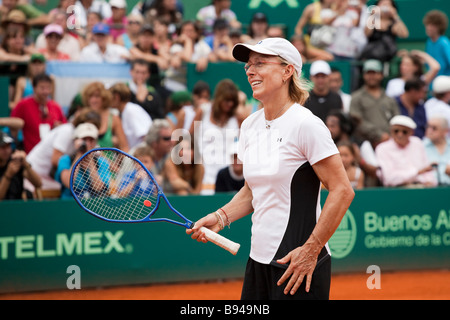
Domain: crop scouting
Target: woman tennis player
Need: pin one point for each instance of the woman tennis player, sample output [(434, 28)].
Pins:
[(287, 154)]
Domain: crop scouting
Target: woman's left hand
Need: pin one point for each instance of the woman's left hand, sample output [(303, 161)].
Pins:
[(303, 261)]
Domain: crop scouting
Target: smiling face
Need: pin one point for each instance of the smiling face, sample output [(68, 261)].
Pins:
[(265, 75)]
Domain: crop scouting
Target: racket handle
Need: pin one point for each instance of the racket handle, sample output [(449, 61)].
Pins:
[(221, 241)]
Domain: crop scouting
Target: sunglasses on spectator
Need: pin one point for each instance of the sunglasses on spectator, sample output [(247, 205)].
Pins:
[(404, 131), (166, 138)]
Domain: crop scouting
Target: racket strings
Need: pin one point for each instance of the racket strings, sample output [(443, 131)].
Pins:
[(114, 186)]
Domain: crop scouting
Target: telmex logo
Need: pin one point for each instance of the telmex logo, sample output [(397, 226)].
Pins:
[(83, 243), (344, 239)]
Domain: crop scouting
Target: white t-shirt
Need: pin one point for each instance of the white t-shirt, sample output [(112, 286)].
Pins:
[(214, 145), (135, 122), (278, 169), (114, 54), (61, 139)]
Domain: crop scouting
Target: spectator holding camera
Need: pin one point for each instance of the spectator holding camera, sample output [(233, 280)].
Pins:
[(13, 169)]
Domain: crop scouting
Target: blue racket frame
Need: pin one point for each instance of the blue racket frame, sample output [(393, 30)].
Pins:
[(188, 224)]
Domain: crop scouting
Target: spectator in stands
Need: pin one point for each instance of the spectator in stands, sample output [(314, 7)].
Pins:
[(39, 112), (341, 125), (163, 41), (336, 84), (86, 36), (276, 31), (321, 98), (145, 50), (45, 155), (371, 106), (70, 42), (84, 139), (382, 41), (143, 94), (160, 140), (34, 16), (83, 7), (411, 104), (201, 97), (438, 45), (100, 50), (13, 47), (411, 66), (346, 17), (439, 104), (53, 36), (349, 160), (313, 16), (437, 147), (402, 159), (219, 9), (309, 53), (111, 133), (24, 84), (118, 21), (16, 19), (135, 121), (220, 42), (257, 29), (12, 127), (231, 178), (189, 46), (13, 169), (134, 25), (187, 166), (168, 10), (180, 109), (218, 129)]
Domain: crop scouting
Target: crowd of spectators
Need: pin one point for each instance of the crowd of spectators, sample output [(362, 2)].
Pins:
[(391, 130)]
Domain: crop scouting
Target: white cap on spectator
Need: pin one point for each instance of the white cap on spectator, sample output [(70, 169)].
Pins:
[(272, 47), (320, 66), (441, 84), (121, 4), (404, 121), (85, 130)]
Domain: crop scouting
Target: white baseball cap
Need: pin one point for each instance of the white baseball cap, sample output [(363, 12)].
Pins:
[(404, 121), (320, 66), (272, 47), (118, 3), (441, 84), (85, 130)]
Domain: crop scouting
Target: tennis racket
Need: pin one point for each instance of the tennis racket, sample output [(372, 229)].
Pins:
[(116, 187)]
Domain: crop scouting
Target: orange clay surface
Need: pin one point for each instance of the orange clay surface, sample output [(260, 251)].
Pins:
[(408, 285)]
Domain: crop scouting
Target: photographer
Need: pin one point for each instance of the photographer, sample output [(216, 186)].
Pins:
[(85, 139), (13, 169)]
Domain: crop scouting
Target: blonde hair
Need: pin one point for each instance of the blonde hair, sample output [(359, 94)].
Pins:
[(91, 88), (298, 86)]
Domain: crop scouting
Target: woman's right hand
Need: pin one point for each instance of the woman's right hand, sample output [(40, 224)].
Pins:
[(210, 221)]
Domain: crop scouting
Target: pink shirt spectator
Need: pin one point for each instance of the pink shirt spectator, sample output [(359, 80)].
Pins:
[(115, 29), (400, 166)]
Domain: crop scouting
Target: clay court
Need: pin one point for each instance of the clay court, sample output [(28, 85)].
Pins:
[(411, 285)]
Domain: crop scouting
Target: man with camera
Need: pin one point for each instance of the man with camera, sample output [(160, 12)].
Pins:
[(13, 169)]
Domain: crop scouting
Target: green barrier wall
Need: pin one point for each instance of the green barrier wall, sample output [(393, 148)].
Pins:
[(394, 229)]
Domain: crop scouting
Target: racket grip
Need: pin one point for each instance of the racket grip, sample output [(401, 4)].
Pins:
[(221, 241)]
